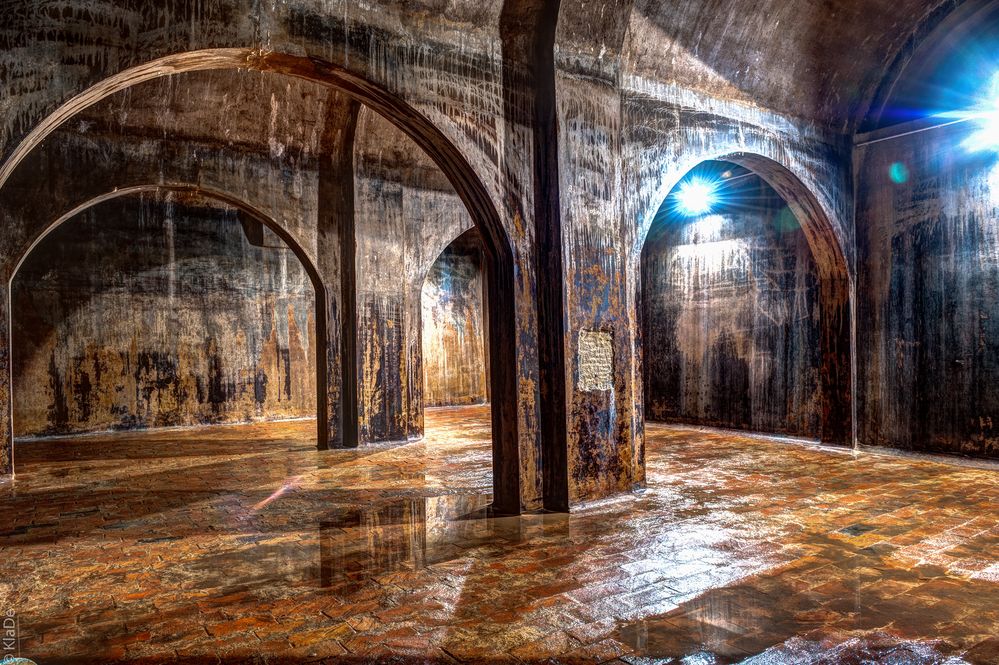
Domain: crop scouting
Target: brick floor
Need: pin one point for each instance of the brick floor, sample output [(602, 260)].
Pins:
[(244, 544)]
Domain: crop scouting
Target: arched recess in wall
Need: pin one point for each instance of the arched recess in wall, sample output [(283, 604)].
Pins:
[(454, 325), (497, 247), (834, 288), (915, 84), (252, 213)]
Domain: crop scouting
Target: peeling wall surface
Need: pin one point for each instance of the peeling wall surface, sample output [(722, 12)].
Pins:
[(730, 316), (455, 358), (148, 312), (928, 327)]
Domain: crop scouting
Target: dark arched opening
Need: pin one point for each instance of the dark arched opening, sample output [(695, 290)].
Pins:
[(187, 383), (745, 305)]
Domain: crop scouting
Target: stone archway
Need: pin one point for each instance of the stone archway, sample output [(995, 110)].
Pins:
[(836, 290), (498, 250), (255, 214)]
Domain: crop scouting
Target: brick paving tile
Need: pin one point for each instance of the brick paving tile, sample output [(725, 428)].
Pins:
[(246, 545)]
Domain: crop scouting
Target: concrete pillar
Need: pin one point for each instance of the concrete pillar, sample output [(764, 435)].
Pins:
[(603, 449), (531, 181), (836, 342), (337, 322), (6, 401), (381, 301), (414, 363)]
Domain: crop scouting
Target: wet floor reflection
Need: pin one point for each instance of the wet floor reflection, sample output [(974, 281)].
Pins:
[(359, 542), (768, 620), (740, 550)]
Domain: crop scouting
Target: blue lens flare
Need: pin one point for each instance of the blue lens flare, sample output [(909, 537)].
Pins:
[(986, 116), (696, 197)]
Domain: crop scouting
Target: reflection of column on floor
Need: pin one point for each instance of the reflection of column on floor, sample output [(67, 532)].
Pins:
[(356, 543)]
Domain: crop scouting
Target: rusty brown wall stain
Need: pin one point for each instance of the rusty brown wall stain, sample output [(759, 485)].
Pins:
[(143, 312), (730, 316), (455, 357)]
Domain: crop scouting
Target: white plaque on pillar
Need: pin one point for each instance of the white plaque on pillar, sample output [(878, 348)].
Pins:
[(596, 361)]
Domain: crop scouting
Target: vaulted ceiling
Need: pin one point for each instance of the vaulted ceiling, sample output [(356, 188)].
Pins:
[(820, 60)]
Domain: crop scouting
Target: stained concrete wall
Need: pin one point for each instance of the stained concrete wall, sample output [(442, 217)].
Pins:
[(730, 317), (150, 311), (403, 210), (438, 74), (406, 213), (629, 129), (564, 184), (455, 356), (647, 90), (928, 286)]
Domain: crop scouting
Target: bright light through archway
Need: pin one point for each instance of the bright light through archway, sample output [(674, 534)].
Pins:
[(986, 115), (696, 197)]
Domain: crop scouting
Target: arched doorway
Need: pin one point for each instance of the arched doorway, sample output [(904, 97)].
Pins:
[(498, 252), (745, 305), (453, 339), (454, 318), (181, 393)]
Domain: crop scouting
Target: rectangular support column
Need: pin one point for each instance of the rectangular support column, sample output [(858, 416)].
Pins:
[(336, 314), (381, 255), (414, 364), (327, 372), (6, 401), (837, 388)]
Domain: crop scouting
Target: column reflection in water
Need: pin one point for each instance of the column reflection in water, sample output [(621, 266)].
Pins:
[(405, 534)]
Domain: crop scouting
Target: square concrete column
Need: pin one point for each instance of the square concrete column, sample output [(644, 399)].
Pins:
[(6, 408), (836, 344), (335, 250)]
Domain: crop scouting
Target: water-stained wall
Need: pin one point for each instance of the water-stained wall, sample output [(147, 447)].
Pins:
[(406, 213), (438, 73), (730, 316), (157, 311), (563, 184), (928, 293), (455, 361)]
